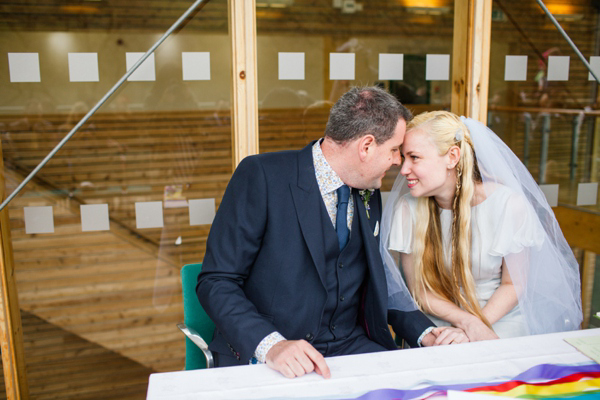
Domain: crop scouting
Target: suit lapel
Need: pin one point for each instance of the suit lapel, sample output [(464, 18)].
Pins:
[(376, 291), (367, 228), (308, 202)]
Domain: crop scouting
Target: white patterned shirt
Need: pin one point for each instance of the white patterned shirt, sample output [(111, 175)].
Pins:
[(329, 182)]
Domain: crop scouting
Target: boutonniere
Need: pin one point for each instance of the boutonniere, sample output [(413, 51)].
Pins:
[(365, 195)]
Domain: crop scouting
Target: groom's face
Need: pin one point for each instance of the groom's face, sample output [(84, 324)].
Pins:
[(382, 158)]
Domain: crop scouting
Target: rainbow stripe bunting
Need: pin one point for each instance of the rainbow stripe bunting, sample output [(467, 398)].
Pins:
[(544, 381)]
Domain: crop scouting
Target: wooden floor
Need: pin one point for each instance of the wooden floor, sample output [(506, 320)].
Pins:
[(61, 365)]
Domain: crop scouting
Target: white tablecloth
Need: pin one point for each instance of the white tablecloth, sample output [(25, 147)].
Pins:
[(352, 376)]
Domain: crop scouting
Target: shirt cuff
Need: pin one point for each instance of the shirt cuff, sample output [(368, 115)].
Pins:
[(425, 332), (265, 345)]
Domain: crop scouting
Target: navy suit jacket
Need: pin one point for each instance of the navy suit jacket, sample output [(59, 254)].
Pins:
[(264, 268)]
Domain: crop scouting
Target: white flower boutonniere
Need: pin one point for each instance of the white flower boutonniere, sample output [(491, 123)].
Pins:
[(365, 195)]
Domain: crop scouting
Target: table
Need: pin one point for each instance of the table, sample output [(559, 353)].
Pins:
[(352, 376)]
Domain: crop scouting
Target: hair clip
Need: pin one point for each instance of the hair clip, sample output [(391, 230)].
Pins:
[(458, 136)]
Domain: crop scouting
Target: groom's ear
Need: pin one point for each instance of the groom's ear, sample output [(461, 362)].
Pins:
[(366, 146)]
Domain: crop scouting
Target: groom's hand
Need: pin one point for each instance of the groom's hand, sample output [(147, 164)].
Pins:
[(295, 358)]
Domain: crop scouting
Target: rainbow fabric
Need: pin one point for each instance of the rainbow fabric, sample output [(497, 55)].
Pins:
[(544, 381)]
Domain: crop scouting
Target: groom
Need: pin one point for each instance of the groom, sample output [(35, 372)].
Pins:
[(292, 270)]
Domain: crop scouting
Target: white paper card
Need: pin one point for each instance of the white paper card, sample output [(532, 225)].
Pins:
[(437, 67), (145, 72), (202, 211), (196, 66), (595, 64), (291, 66), (83, 67), (587, 193), (551, 193), (515, 68), (94, 217), (391, 67), (558, 68), (24, 67), (149, 214), (39, 219), (341, 66)]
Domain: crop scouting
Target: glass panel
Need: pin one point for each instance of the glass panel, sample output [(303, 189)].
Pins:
[(310, 53), (101, 233), (544, 106), (541, 101)]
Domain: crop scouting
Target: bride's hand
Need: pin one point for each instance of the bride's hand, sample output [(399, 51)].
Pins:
[(477, 330), (449, 335)]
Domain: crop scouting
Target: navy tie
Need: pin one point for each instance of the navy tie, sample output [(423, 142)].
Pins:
[(341, 221)]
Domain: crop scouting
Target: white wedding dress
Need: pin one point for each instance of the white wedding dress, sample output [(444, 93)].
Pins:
[(502, 224)]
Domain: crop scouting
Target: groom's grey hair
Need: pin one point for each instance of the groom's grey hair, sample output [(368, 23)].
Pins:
[(365, 110)]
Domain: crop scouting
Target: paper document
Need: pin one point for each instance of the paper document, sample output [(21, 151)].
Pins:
[(589, 345)]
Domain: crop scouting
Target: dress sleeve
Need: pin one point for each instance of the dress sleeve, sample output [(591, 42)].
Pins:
[(401, 233), (517, 226)]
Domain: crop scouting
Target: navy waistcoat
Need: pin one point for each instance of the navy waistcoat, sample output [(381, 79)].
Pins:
[(346, 271)]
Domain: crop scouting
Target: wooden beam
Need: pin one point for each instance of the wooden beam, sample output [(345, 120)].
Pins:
[(562, 111), (587, 286), (595, 151), (328, 47), (244, 97), (11, 329), (581, 228), (471, 58)]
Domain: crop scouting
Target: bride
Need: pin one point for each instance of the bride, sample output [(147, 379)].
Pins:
[(477, 242)]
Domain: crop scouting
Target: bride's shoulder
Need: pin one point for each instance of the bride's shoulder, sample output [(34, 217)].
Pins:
[(493, 193), (504, 200)]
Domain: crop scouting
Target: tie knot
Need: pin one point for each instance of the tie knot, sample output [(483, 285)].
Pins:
[(343, 193)]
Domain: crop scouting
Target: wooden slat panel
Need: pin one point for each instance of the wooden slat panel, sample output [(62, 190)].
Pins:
[(61, 365)]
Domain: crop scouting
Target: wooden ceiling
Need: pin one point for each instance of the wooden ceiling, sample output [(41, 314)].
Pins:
[(309, 17), (378, 17)]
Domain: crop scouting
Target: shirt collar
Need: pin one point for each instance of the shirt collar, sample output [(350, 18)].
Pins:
[(327, 179)]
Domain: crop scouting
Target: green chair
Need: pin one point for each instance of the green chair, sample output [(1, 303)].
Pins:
[(197, 324)]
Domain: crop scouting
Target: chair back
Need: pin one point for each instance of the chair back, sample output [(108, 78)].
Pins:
[(194, 317)]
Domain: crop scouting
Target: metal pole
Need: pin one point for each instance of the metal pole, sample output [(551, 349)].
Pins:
[(568, 39), (577, 122), (101, 102), (527, 117), (544, 147)]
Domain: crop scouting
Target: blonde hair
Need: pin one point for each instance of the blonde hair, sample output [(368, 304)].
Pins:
[(457, 284)]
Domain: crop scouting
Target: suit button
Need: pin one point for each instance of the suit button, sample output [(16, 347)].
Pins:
[(309, 336), (341, 265), (333, 327), (341, 298)]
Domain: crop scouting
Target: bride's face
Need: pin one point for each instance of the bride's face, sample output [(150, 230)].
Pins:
[(425, 170)]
